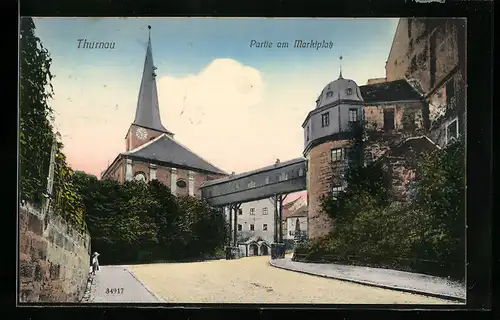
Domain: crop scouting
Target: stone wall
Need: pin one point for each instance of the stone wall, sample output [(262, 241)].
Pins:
[(54, 258)]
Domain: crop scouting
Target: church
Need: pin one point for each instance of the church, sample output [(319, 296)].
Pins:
[(152, 152)]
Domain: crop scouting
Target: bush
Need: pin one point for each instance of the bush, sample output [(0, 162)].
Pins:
[(138, 222), (426, 234)]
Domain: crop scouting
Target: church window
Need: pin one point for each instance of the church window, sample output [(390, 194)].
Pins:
[(251, 184), (301, 172), (140, 176), (264, 227), (307, 133), (240, 212), (252, 227), (337, 154), (252, 211), (353, 115), (240, 227), (264, 211), (329, 94), (325, 119), (348, 91), (181, 184), (268, 180)]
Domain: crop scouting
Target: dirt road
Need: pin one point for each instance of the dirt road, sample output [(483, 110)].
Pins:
[(253, 280)]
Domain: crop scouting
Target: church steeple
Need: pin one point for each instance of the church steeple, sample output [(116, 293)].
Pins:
[(340, 59), (147, 114)]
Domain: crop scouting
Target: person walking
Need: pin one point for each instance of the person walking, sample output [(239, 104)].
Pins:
[(95, 263)]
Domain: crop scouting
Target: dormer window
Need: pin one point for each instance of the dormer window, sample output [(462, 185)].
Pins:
[(348, 91), (325, 119), (329, 94)]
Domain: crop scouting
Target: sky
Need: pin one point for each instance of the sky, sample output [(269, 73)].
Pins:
[(238, 106)]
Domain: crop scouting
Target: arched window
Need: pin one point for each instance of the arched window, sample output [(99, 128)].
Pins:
[(140, 176), (348, 91), (181, 183)]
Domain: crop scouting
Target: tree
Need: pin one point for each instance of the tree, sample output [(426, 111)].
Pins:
[(440, 192), (35, 130), (140, 221)]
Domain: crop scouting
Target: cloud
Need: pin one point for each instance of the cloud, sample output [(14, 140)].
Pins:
[(221, 89), (235, 116), (229, 115)]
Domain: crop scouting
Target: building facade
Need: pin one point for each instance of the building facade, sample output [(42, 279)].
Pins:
[(297, 221), (152, 152), (255, 221), (431, 54), (390, 112), (289, 209), (419, 105)]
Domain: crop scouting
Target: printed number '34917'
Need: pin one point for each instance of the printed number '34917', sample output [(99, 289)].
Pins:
[(114, 290)]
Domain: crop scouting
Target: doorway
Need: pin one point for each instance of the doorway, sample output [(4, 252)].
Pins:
[(264, 250), (254, 250)]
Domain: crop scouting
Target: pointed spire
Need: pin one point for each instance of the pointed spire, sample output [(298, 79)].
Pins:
[(148, 110), (340, 58)]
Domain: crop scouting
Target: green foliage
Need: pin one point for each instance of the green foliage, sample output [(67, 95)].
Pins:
[(367, 186), (425, 234), (139, 222), (67, 202), (36, 133), (35, 130)]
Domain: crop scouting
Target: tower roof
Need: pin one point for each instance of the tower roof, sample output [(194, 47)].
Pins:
[(147, 113)]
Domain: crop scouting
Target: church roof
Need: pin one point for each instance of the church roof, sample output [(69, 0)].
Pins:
[(148, 111), (398, 90), (166, 149)]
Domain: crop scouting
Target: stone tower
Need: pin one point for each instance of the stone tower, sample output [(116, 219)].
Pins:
[(327, 140)]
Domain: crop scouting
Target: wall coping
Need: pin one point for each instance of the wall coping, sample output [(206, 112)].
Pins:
[(56, 221)]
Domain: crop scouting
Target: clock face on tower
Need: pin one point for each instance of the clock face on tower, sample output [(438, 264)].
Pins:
[(141, 133)]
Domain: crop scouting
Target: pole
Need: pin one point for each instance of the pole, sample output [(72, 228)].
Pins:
[(230, 224), (281, 200), (235, 231), (275, 202)]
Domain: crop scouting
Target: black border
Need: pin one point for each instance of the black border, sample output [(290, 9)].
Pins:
[(479, 146)]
